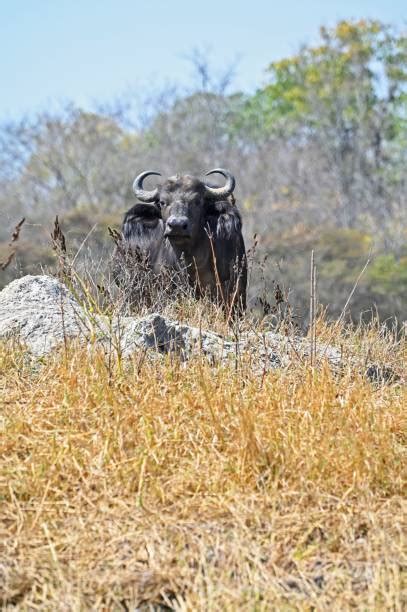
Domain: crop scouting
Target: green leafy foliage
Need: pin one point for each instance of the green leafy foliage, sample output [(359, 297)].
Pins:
[(357, 66), (388, 275)]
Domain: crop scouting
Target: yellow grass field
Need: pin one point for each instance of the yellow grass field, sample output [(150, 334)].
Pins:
[(160, 485)]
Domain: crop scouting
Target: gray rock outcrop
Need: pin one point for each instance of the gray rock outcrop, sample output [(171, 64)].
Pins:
[(42, 313), (39, 311)]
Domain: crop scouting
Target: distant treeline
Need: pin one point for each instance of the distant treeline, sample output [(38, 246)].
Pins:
[(319, 153)]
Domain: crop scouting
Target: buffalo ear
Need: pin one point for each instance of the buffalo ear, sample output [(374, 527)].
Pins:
[(147, 211), (214, 208)]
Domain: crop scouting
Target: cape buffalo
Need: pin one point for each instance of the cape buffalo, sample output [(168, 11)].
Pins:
[(184, 222)]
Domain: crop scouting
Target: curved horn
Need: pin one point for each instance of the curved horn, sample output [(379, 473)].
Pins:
[(142, 194), (218, 193)]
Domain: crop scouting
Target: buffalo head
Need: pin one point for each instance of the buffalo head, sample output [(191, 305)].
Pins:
[(182, 202)]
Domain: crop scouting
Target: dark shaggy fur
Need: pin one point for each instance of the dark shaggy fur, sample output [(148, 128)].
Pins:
[(213, 252)]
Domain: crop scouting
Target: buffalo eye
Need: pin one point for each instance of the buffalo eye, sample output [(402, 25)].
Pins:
[(161, 203)]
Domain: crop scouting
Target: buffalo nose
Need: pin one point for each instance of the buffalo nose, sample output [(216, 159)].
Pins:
[(178, 223)]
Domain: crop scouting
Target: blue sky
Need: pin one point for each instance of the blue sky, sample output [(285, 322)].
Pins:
[(89, 50)]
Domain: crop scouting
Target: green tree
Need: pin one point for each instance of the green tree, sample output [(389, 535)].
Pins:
[(348, 97)]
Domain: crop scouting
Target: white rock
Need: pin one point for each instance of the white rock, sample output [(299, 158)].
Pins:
[(41, 312)]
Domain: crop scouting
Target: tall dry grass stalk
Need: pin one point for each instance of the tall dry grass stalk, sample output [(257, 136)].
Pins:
[(188, 487), (313, 310), (12, 245)]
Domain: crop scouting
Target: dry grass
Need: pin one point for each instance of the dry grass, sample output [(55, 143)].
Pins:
[(162, 485)]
